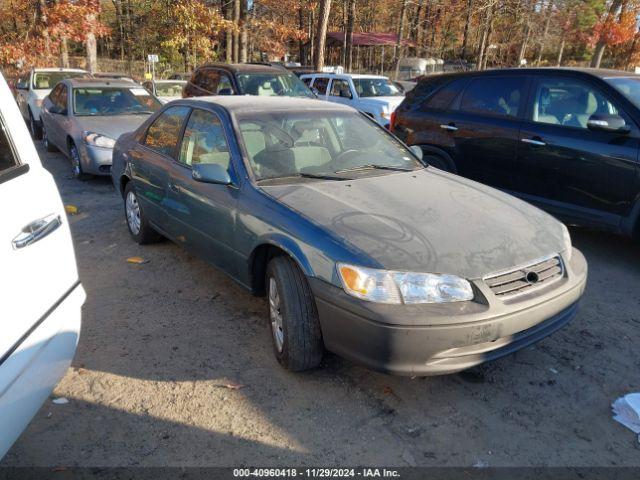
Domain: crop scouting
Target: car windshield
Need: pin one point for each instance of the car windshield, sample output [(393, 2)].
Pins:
[(269, 84), (376, 87), (113, 101), (169, 89), (334, 145), (47, 80), (627, 86)]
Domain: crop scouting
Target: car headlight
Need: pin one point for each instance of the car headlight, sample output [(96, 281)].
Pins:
[(566, 240), (97, 140), (385, 286)]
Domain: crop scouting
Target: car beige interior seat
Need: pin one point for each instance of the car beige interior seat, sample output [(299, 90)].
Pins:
[(42, 83)]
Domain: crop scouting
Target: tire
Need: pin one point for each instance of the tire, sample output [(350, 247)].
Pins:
[(34, 128), (76, 165), (434, 160), (48, 146), (138, 225), (293, 316)]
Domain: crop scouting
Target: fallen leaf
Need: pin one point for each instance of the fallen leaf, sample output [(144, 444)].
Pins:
[(71, 209), (137, 260)]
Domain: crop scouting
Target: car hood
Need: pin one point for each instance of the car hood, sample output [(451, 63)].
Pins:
[(426, 221), (111, 125), (390, 102)]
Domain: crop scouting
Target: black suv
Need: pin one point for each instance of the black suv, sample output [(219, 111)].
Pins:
[(244, 79), (566, 140)]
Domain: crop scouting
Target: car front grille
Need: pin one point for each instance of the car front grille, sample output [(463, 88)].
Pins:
[(523, 279)]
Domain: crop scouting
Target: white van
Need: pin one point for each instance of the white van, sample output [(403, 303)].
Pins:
[(41, 293)]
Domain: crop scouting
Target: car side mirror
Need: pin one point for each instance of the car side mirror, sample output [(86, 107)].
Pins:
[(210, 173), (607, 123), (417, 151), (225, 91)]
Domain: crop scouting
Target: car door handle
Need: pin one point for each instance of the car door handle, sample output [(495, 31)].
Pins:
[(533, 141), (451, 127), (36, 230)]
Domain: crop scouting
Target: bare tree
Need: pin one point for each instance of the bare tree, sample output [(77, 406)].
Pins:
[(91, 46), (244, 32), (399, 43), (465, 35), (321, 33), (351, 14)]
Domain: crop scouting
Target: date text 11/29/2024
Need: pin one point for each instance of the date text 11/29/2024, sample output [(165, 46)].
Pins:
[(316, 472)]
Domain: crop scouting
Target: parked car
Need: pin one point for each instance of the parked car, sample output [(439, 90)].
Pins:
[(374, 95), (165, 90), (83, 118), (566, 140), (245, 79), (34, 87), (360, 248), (41, 294)]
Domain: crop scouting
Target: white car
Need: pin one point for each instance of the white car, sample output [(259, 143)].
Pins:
[(34, 86), (165, 90), (373, 95), (40, 311)]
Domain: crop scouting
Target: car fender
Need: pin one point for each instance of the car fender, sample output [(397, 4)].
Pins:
[(286, 244), (441, 153), (630, 225)]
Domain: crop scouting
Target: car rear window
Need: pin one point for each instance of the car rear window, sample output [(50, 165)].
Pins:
[(442, 99)]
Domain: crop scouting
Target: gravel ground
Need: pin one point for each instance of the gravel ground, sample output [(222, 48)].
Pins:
[(174, 367)]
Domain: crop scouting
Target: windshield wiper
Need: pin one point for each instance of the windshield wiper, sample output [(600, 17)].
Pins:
[(373, 166), (309, 175)]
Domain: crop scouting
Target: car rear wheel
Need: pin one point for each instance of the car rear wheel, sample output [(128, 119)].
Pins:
[(35, 129), (139, 227), (48, 146), (295, 328)]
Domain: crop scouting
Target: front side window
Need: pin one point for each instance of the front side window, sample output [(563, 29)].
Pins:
[(376, 87), (272, 84), (207, 79), (568, 102), (340, 145), (495, 96), (340, 88), (97, 101), (164, 133), (204, 140), (47, 80)]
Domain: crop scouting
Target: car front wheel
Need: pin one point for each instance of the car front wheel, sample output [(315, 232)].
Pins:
[(139, 227), (76, 165), (293, 317)]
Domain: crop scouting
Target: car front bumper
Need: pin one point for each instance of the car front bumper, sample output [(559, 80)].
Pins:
[(96, 160), (435, 339)]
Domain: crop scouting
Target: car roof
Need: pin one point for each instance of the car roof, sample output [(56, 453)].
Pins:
[(344, 75), (53, 69), (101, 82), (257, 104), (246, 67), (593, 72)]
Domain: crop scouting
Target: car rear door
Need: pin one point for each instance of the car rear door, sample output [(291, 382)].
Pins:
[(38, 269), (563, 166), (150, 161), (484, 123)]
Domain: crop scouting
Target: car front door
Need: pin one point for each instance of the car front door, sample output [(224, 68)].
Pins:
[(484, 123), (340, 92), (204, 213), (150, 162), (576, 172)]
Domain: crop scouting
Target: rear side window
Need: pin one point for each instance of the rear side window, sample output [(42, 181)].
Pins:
[(496, 96), (320, 84), (207, 79), (442, 99), (164, 133)]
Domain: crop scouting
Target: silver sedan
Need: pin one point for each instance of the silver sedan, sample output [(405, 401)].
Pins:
[(83, 118)]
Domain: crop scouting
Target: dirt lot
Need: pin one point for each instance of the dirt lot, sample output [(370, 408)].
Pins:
[(163, 341)]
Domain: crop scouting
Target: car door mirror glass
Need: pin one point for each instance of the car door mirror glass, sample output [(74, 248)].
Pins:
[(607, 123), (210, 173), (416, 150)]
